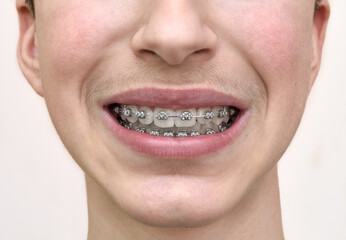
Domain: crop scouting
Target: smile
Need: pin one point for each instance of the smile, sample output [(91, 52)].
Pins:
[(190, 122), (175, 123)]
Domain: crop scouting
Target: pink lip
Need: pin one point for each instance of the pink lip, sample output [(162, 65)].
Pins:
[(176, 99), (188, 147)]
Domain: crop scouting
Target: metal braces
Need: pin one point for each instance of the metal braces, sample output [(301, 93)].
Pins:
[(184, 116), (176, 133)]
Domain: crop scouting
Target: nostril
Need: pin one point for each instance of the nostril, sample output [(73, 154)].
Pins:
[(146, 51), (201, 51), (175, 57), (145, 54)]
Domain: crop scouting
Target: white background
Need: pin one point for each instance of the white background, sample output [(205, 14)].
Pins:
[(42, 191)]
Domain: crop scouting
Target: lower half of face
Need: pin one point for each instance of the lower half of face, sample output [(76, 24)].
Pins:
[(175, 109)]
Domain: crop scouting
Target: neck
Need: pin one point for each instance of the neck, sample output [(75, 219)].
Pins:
[(257, 216)]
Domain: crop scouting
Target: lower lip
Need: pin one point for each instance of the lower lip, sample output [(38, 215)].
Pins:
[(185, 147)]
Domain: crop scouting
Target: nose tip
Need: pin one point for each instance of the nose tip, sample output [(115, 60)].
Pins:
[(174, 32)]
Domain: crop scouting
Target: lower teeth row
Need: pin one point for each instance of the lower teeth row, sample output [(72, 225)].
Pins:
[(176, 131)]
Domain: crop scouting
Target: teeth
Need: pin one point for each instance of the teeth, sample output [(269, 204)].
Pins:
[(148, 116), (126, 112), (155, 132), (182, 133), (141, 129), (208, 128), (223, 126), (196, 127), (116, 109), (206, 115), (209, 131), (168, 134), (232, 111), (162, 118), (194, 133), (132, 118), (179, 123), (161, 114), (221, 115), (151, 127), (185, 118), (128, 125), (141, 114)]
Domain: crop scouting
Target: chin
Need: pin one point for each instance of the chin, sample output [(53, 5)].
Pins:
[(172, 214), (177, 202)]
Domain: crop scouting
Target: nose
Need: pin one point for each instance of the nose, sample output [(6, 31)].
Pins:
[(174, 31)]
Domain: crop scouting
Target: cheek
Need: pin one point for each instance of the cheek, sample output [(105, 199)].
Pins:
[(72, 40), (273, 46), (275, 40), (70, 43), (280, 50), (277, 43)]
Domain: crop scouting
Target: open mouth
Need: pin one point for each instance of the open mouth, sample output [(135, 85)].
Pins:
[(191, 122), (172, 123)]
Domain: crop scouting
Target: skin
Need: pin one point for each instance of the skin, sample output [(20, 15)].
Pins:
[(76, 53)]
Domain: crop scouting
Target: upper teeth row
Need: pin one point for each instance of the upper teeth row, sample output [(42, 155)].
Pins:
[(180, 118), (162, 114)]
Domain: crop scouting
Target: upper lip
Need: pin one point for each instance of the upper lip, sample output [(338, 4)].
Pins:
[(176, 99)]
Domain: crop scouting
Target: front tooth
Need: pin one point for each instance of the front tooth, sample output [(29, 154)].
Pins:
[(221, 115), (132, 118), (205, 115), (185, 117), (163, 118), (148, 116)]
